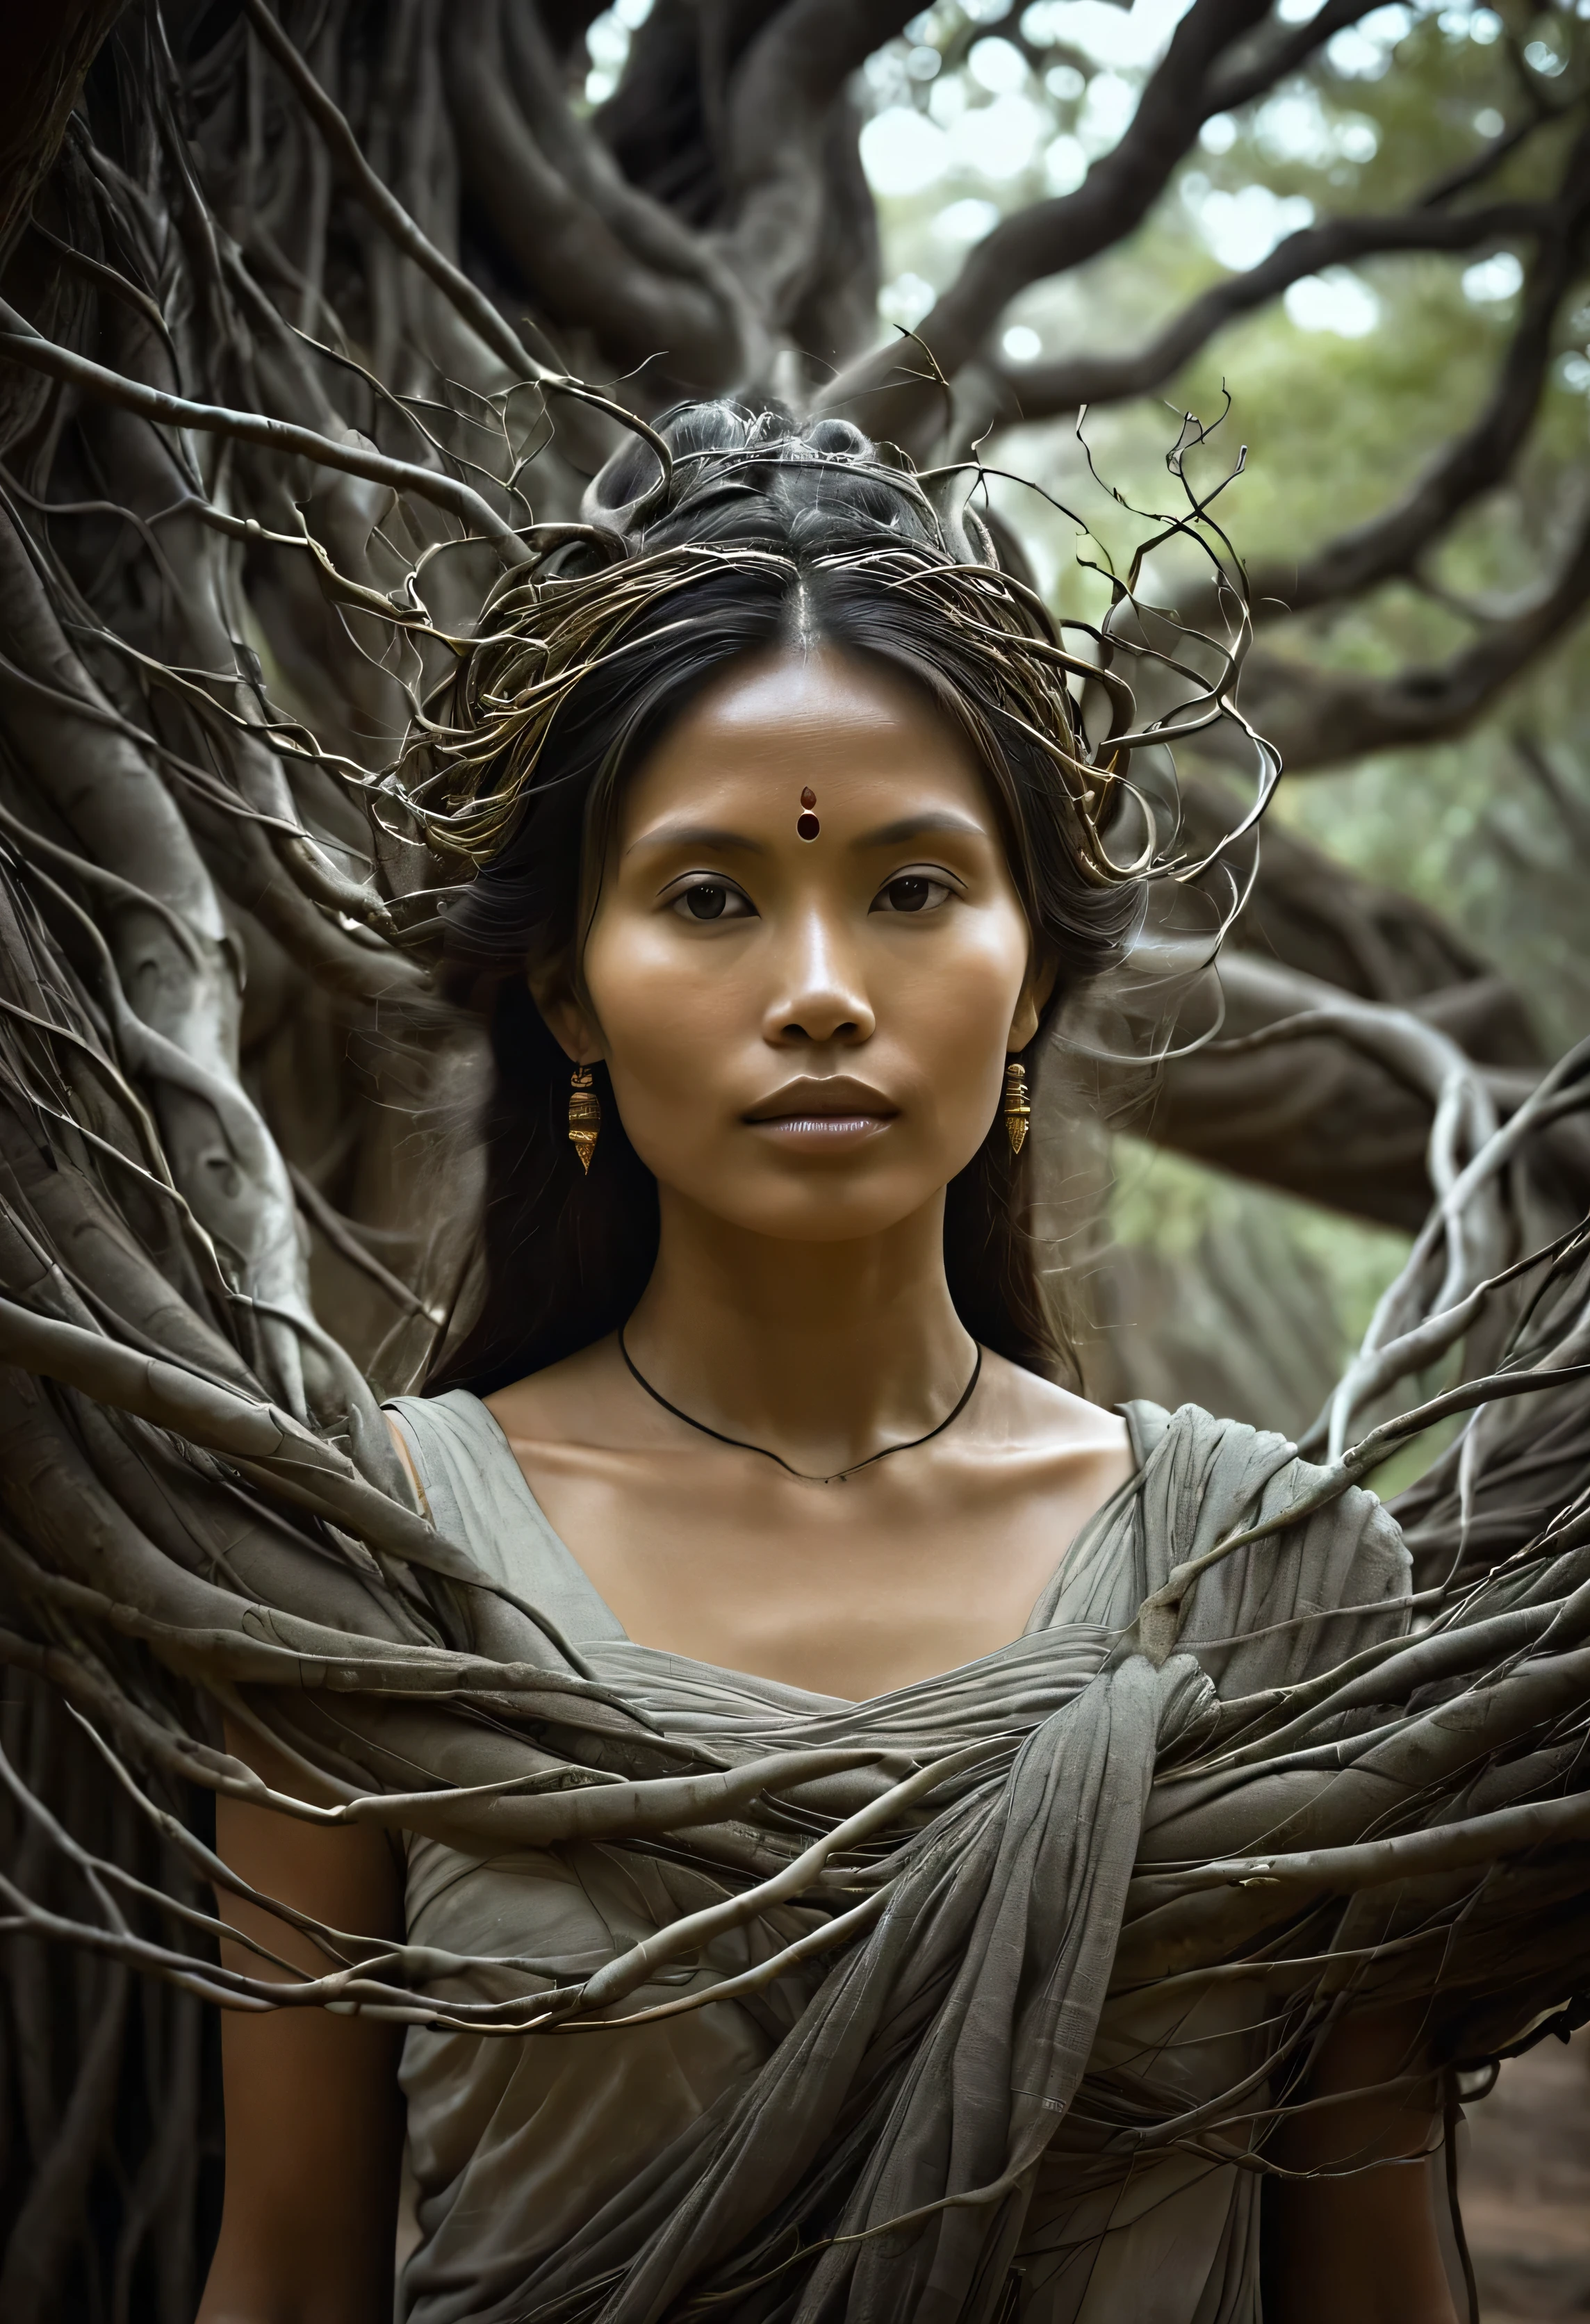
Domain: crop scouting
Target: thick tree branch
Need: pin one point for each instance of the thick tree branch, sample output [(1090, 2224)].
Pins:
[(656, 123), (1475, 462), (1309, 912), (21, 343), (1319, 718), (44, 54), (1321, 1117), (780, 101), (383, 205), (1268, 59), (1391, 543), (564, 250), (1052, 237), (1491, 154), (655, 237), (834, 312), (1044, 390)]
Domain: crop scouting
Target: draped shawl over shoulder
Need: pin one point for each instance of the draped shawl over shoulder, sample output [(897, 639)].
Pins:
[(933, 2107)]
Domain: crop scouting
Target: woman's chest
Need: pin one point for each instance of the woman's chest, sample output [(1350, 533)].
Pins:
[(847, 1589)]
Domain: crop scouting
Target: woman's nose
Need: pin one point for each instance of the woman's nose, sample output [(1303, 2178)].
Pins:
[(822, 995)]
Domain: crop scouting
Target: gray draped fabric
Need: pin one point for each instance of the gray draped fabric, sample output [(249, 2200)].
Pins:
[(942, 2120)]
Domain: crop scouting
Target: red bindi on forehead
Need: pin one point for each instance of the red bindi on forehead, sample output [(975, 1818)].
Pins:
[(806, 825)]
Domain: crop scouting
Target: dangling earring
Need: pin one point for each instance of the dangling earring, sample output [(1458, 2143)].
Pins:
[(1016, 1109), (584, 1115)]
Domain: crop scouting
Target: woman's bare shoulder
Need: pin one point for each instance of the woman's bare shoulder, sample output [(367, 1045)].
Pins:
[(580, 1400), (1034, 1415)]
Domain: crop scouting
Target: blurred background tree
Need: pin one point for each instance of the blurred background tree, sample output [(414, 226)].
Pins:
[(1363, 228)]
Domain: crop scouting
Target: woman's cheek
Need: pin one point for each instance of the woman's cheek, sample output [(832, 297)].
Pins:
[(667, 1026), (641, 989), (957, 1012)]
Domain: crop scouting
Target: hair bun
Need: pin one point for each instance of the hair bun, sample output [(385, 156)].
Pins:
[(728, 456), (839, 439)]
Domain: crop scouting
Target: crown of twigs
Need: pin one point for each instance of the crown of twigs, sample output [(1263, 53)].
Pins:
[(476, 748)]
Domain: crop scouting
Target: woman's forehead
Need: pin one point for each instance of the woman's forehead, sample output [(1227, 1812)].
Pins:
[(803, 719), (822, 686)]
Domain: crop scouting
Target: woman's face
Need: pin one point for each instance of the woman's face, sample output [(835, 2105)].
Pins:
[(806, 1035)]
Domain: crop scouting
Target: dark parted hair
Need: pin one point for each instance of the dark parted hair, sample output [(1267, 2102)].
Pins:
[(767, 531)]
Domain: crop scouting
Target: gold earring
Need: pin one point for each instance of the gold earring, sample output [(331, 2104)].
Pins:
[(584, 1115), (1016, 1110)]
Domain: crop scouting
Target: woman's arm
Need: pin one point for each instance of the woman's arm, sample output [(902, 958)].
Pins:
[(313, 2118), (1363, 2249)]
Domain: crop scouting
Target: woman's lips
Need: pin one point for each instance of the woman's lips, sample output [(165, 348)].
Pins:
[(813, 1112), (824, 1129)]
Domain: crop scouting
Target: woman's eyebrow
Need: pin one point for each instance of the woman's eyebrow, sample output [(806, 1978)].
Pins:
[(918, 826), (697, 834)]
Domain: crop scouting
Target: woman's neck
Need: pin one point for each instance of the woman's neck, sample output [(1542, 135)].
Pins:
[(820, 1352)]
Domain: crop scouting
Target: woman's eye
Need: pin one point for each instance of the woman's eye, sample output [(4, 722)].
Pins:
[(914, 891), (712, 899)]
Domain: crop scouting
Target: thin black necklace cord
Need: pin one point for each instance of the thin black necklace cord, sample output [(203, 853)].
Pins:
[(806, 1478)]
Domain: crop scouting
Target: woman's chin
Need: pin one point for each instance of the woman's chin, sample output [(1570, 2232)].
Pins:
[(813, 1202)]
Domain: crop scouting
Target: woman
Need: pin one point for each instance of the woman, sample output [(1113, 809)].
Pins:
[(789, 856)]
